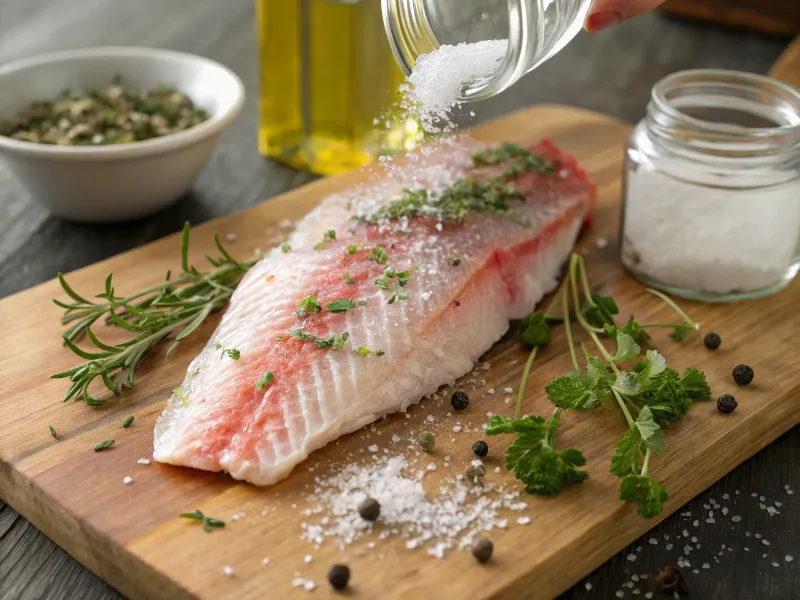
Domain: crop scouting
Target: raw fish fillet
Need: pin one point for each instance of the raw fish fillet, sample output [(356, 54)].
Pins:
[(468, 278)]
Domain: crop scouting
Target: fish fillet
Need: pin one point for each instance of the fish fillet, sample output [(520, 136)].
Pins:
[(468, 278)]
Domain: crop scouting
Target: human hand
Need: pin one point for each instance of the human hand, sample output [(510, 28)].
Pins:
[(607, 13)]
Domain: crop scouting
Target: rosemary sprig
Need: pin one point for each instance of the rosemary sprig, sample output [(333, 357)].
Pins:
[(175, 305)]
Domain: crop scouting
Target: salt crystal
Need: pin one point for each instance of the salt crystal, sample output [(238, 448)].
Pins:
[(648, 595), (653, 541), (264, 561), (620, 594), (601, 243), (669, 546), (508, 400), (774, 564), (765, 542), (588, 586), (127, 480), (490, 391), (373, 448), (497, 469), (508, 390), (523, 520), (706, 566), (395, 438), (631, 557), (456, 428), (143, 461), (788, 558), (227, 570), (231, 237)]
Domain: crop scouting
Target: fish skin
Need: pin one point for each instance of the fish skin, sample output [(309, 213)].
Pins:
[(453, 314)]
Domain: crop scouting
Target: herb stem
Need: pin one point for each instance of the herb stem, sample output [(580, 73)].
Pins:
[(676, 308), (609, 359), (647, 453), (568, 328), (625, 411), (523, 382)]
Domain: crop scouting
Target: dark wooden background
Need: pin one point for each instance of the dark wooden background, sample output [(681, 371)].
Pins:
[(611, 72)]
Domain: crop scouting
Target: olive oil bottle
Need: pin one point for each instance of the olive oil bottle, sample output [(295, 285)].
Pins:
[(329, 100)]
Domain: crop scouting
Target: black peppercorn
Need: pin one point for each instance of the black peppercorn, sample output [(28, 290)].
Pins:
[(726, 404), (369, 509), (712, 340), (482, 549), (671, 579), (459, 400), (742, 374), (339, 576), (480, 449)]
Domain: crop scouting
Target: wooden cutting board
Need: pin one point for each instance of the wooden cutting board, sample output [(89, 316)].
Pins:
[(130, 534)]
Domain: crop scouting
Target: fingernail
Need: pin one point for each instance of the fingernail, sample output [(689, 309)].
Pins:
[(603, 20)]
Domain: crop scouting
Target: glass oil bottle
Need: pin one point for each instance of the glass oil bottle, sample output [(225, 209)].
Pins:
[(329, 97)]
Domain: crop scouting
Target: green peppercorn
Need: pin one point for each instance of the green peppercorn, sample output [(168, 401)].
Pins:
[(480, 448), (475, 474), (426, 441), (369, 509), (726, 404), (482, 549), (339, 576), (742, 374), (459, 400)]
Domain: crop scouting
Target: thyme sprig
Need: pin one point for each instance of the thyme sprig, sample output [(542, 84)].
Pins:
[(175, 306)]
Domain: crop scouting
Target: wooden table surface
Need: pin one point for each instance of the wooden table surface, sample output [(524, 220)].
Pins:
[(611, 72)]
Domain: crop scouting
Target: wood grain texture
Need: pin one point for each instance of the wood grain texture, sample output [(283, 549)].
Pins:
[(787, 68), (611, 72), (775, 17), (136, 542)]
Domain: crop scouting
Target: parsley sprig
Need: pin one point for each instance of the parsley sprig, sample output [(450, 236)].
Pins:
[(394, 281), (650, 395), (334, 342), (209, 523)]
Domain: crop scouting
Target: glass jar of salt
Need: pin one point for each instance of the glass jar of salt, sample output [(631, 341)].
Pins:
[(518, 35), (712, 187)]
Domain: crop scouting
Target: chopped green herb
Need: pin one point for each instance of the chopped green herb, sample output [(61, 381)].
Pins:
[(378, 255), (53, 431), (128, 422), (518, 158), (341, 305), (266, 380), (455, 262), (208, 522), (600, 310), (352, 248), (181, 396), (308, 306), (335, 342), (327, 237), (347, 279), (104, 445), (379, 352), (401, 279), (232, 353), (286, 248), (363, 351)]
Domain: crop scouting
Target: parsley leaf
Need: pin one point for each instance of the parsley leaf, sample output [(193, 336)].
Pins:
[(668, 398), (341, 305), (265, 381), (327, 237), (574, 391), (625, 459), (308, 306), (532, 456), (285, 248), (627, 348), (632, 328), (352, 249), (646, 492), (626, 384), (694, 384), (600, 310), (651, 432), (534, 330), (363, 351), (655, 365), (681, 332)]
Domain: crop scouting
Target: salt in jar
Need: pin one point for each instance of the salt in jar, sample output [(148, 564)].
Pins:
[(711, 192)]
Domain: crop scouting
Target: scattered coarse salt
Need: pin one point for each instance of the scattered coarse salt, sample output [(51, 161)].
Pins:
[(127, 480), (601, 243), (395, 438), (490, 391), (497, 469), (228, 570), (231, 237), (523, 520), (264, 561), (508, 400), (631, 557), (431, 467), (143, 461), (286, 224), (373, 448), (653, 541), (456, 428), (508, 390), (308, 558), (788, 558)]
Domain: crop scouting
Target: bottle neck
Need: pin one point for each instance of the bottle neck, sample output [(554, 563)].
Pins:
[(535, 31)]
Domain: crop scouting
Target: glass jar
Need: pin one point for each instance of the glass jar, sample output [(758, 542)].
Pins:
[(711, 191), (535, 30), (328, 78)]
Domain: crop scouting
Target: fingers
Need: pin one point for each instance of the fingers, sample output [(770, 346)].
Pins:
[(607, 13)]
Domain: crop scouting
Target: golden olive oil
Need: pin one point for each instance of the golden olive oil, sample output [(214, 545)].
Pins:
[(328, 85)]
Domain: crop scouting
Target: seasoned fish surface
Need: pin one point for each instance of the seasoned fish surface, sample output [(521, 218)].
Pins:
[(454, 284)]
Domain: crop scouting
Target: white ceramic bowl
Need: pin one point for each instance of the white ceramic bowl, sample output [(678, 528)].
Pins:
[(124, 181)]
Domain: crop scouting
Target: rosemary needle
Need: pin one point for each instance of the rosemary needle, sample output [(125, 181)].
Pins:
[(175, 305)]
